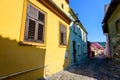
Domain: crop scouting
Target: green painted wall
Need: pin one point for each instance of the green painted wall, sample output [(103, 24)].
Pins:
[(112, 29)]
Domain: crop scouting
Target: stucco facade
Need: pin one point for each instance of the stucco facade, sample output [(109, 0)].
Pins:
[(113, 35), (78, 40), (111, 27), (29, 60)]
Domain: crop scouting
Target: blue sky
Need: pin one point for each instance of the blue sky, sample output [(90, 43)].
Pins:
[(91, 14)]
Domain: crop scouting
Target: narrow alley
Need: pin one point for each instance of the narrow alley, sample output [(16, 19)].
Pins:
[(60, 40), (97, 68)]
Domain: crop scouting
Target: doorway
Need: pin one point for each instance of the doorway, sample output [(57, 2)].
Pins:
[(74, 51)]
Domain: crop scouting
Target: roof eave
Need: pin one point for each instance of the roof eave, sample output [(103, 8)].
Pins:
[(67, 1), (54, 8), (111, 9)]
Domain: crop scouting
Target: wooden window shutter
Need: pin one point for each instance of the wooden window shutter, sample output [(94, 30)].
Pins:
[(62, 34), (35, 22), (31, 29), (61, 28), (33, 12), (40, 32), (61, 38), (41, 17)]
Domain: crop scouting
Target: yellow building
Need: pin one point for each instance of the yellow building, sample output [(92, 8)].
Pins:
[(34, 38)]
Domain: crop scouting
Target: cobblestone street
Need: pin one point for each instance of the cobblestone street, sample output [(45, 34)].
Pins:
[(96, 68)]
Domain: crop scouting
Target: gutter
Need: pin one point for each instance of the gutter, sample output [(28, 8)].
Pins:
[(22, 72), (112, 7), (67, 1), (73, 14), (83, 28), (60, 9)]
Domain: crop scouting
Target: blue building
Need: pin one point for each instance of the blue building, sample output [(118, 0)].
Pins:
[(78, 40)]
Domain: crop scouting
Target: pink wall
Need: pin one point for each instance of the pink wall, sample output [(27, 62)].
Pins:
[(107, 50)]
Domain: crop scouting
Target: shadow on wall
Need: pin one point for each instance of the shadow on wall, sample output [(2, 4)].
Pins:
[(15, 58), (89, 49), (67, 55)]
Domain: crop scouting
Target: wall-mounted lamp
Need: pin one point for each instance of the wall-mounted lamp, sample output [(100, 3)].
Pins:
[(76, 22)]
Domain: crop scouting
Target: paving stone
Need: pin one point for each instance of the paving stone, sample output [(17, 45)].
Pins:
[(94, 69)]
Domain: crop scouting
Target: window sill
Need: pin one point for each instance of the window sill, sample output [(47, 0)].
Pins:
[(75, 32), (28, 43), (63, 46)]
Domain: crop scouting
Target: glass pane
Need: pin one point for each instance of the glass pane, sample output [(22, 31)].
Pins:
[(61, 38), (64, 37)]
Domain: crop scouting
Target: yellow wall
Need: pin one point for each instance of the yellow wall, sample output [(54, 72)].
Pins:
[(66, 6), (10, 18), (15, 57), (55, 54)]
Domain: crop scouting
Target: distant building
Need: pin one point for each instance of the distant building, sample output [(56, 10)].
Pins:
[(95, 49)]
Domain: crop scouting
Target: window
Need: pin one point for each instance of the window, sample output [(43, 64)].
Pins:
[(62, 34), (62, 6), (84, 36), (118, 26), (84, 46), (75, 28), (35, 23), (79, 50)]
